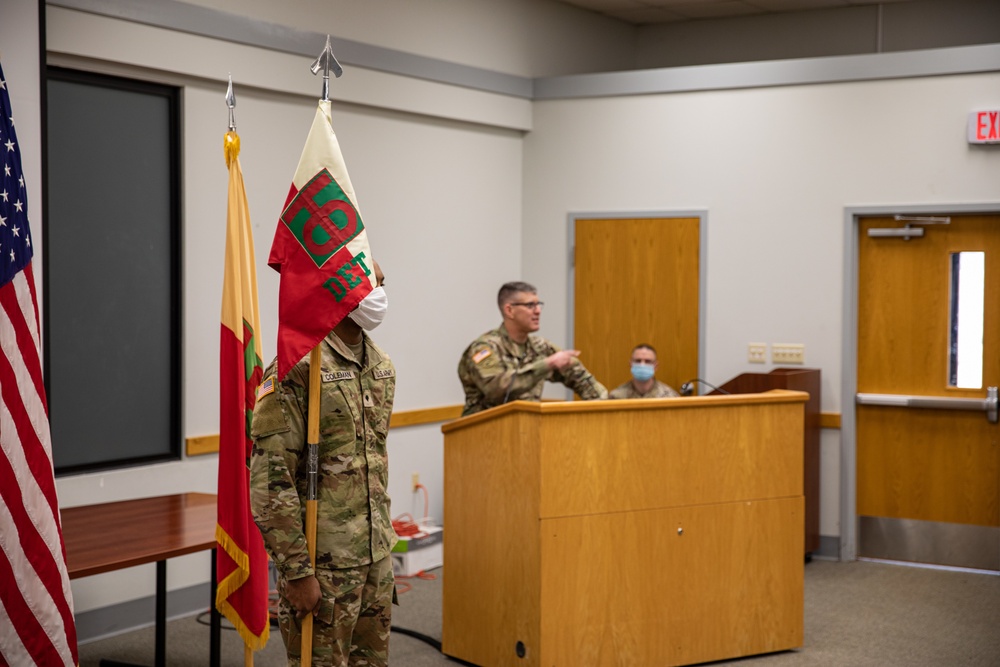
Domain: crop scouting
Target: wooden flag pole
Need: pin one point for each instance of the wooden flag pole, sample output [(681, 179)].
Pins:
[(312, 462), (324, 63)]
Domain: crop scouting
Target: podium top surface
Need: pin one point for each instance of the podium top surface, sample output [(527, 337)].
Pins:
[(624, 405)]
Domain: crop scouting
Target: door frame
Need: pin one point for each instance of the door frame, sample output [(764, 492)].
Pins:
[(849, 360), (701, 214)]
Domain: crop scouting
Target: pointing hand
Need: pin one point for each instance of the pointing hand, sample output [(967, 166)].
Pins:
[(561, 359)]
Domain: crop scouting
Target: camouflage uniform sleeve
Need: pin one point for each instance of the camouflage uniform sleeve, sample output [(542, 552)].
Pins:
[(619, 392), (581, 381), (278, 432), (485, 366)]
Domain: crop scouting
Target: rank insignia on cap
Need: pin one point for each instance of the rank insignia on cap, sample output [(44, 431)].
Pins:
[(481, 354), (265, 388)]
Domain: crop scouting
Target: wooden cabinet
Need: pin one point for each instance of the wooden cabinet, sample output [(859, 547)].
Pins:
[(797, 379)]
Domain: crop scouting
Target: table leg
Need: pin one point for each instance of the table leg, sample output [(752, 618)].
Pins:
[(160, 655), (215, 636), (161, 614)]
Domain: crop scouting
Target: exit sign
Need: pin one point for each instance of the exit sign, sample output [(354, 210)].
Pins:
[(984, 127)]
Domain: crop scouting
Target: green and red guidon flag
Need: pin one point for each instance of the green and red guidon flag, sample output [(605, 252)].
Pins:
[(241, 561), (320, 247)]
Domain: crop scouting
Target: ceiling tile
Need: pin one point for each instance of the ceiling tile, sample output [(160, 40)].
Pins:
[(609, 5), (663, 11), (713, 10), (798, 5), (648, 15)]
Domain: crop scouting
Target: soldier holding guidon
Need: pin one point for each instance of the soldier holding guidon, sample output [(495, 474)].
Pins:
[(351, 588)]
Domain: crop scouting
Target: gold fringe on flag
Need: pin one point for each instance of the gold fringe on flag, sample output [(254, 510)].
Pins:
[(228, 586)]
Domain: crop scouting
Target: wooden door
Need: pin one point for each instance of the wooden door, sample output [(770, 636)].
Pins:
[(637, 281), (928, 480)]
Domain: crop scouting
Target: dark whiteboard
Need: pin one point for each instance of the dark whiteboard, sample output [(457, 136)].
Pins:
[(111, 261)]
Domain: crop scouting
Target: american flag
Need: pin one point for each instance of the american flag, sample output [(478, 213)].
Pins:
[(36, 604)]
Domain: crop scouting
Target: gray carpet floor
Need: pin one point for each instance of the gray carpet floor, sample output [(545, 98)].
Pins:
[(856, 614)]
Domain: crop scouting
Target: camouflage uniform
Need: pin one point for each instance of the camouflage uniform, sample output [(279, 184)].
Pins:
[(354, 530), (658, 390), (494, 370)]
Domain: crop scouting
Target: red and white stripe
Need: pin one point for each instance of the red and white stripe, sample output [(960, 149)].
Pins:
[(36, 603)]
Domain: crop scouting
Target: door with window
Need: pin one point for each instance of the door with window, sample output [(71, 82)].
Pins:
[(928, 445)]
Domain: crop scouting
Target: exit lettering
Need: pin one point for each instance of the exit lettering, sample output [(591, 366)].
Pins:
[(984, 127)]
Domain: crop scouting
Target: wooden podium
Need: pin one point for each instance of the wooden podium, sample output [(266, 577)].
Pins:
[(640, 532)]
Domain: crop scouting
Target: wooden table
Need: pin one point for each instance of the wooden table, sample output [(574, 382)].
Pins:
[(112, 536)]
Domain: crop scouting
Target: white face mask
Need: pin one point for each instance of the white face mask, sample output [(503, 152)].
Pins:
[(371, 311)]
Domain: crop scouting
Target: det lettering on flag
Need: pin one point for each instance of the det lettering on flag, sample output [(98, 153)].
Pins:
[(320, 247)]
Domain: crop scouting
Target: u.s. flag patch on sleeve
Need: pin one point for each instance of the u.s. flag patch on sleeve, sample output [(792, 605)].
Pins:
[(265, 388), (481, 354)]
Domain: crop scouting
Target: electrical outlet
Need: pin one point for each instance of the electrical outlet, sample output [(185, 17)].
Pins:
[(757, 353), (416, 480), (788, 353)]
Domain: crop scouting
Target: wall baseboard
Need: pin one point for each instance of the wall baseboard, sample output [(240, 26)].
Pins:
[(829, 548), (135, 614)]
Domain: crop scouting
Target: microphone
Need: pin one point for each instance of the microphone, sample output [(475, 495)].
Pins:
[(688, 387)]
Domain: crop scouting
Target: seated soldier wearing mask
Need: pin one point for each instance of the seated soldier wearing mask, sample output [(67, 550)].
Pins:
[(643, 384)]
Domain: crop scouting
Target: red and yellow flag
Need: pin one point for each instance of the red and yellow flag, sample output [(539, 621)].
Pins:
[(242, 563), (320, 247)]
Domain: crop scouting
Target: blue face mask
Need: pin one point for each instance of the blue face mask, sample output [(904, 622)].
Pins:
[(642, 372)]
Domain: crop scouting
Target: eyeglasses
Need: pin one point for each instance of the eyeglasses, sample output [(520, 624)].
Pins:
[(530, 305)]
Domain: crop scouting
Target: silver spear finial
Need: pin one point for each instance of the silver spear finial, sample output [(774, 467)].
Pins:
[(231, 103), (326, 62)]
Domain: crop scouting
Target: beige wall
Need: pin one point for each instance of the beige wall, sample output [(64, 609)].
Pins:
[(522, 37)]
